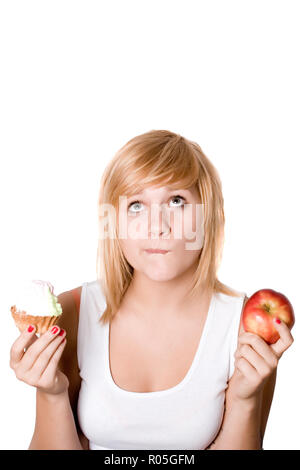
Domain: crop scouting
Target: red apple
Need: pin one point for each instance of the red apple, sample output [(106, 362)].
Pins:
[(260, 310)]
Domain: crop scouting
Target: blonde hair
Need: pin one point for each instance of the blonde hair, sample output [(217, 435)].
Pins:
[(159, 157)]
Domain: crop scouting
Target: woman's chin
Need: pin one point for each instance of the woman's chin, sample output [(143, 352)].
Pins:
[(160, 276)]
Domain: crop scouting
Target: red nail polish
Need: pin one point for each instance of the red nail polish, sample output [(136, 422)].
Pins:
[(54, 330), (277, 320), (30, 329), (61, 332)]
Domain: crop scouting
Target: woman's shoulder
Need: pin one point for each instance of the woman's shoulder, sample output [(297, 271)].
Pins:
[(69, 319), (70, 303), (69, 322), (231, 297), (233, 305)]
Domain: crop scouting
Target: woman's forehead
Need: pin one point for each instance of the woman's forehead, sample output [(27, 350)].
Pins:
[(153, 190)]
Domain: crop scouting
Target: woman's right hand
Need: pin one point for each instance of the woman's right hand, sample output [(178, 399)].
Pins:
[(38, 364)]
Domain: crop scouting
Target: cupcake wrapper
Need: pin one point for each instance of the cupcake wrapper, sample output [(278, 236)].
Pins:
[(42, 324)]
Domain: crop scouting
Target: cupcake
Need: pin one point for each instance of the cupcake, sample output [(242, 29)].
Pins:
[(36, 305)]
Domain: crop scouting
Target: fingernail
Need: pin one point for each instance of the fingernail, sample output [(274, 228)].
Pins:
[(277, 320), (30, 328), (61, 332), (54, 330)]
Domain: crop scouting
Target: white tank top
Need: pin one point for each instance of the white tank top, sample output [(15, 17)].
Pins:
[(186, 416)]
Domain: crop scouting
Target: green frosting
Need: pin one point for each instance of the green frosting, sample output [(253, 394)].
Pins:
[(55, 308)]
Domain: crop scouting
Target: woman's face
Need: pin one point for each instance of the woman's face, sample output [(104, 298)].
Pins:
[(166, 219)]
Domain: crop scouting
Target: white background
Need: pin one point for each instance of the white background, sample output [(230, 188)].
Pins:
[(81, 78)]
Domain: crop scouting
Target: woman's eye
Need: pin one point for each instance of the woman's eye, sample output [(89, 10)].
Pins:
[(134, 203), (182, 199)]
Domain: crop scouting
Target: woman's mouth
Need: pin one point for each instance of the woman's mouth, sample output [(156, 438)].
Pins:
[(161, 252)]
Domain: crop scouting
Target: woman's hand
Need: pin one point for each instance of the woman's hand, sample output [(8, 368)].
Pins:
[(256, 360), (38, 364)]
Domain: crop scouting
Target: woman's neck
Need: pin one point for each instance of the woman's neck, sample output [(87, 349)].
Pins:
[(150, 298)]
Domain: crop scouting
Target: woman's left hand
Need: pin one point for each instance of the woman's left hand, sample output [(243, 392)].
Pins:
[(256, 360)]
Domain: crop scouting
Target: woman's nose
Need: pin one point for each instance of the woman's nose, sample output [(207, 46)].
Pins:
[(159, 222)]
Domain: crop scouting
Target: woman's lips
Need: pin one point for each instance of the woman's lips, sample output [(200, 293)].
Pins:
[(162, 252)]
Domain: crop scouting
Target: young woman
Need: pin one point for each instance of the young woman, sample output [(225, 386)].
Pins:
[(155, 356)]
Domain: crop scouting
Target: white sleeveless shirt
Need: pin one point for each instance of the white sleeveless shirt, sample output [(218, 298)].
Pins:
[(187, 416)]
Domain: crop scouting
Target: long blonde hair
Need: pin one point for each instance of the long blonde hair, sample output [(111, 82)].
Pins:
[(155, 158)]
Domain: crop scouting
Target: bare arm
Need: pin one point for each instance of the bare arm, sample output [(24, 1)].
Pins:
[(240, 428), (244, 424), (55, 427), (68, 363)]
